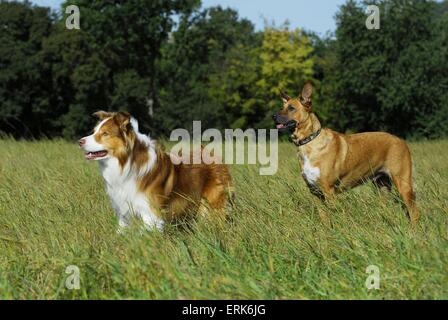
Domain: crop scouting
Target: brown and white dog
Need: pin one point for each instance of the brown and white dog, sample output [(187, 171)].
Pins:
[(332, 162), (141, 179)]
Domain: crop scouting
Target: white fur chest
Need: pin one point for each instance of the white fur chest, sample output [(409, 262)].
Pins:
[(311, 174), (127, 200)]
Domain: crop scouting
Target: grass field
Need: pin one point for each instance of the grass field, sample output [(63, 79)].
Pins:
[(54, 213)]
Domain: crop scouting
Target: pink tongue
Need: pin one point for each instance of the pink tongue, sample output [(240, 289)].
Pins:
[(280, 126), (94, 155)]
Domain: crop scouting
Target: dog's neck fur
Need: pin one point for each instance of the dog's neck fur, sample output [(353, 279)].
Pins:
[(307, 128), (138, 162)]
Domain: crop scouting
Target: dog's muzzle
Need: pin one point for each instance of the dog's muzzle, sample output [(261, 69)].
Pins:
[(283, 124)]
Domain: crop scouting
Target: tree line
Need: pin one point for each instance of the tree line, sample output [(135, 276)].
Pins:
[(211, 65)]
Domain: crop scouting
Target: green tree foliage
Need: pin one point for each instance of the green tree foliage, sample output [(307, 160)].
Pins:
[(78, 80), (22, 82), (108, 64), (252, 77), (235, 87), (200, 69), (214, 67), (286, 65), (218, 70), (324, 58), (125, 38), (395, 78)]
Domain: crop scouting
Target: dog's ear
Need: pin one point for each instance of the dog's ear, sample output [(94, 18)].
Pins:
[(124, 120), (103, 115), (307, 92), (285, 97)]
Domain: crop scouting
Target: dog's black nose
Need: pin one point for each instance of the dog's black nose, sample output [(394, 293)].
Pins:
[(274, 117)]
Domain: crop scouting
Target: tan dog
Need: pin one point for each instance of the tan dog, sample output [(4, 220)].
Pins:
[(332, 162), (141, 179)]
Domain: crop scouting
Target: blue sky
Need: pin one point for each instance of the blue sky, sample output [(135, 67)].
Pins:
[(315, 15)]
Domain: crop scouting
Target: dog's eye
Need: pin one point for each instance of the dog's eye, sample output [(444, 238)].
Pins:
[(105, 134), (291, 108)]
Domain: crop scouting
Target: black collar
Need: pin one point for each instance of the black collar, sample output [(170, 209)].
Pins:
[(308, 139)]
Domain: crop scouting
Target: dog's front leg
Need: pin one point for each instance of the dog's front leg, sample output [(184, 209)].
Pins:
[(122, 224), (328, 193), (152, 223)]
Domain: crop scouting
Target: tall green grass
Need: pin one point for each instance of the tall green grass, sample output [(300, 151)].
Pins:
[(54, 213)]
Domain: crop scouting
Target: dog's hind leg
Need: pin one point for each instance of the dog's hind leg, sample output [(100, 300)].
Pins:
[(404, 187), (401, 173), (218, 190), (214, 199)]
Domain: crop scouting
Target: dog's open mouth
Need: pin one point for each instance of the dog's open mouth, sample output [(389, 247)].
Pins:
[(280, 126), (287, 126), (96, 155)]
